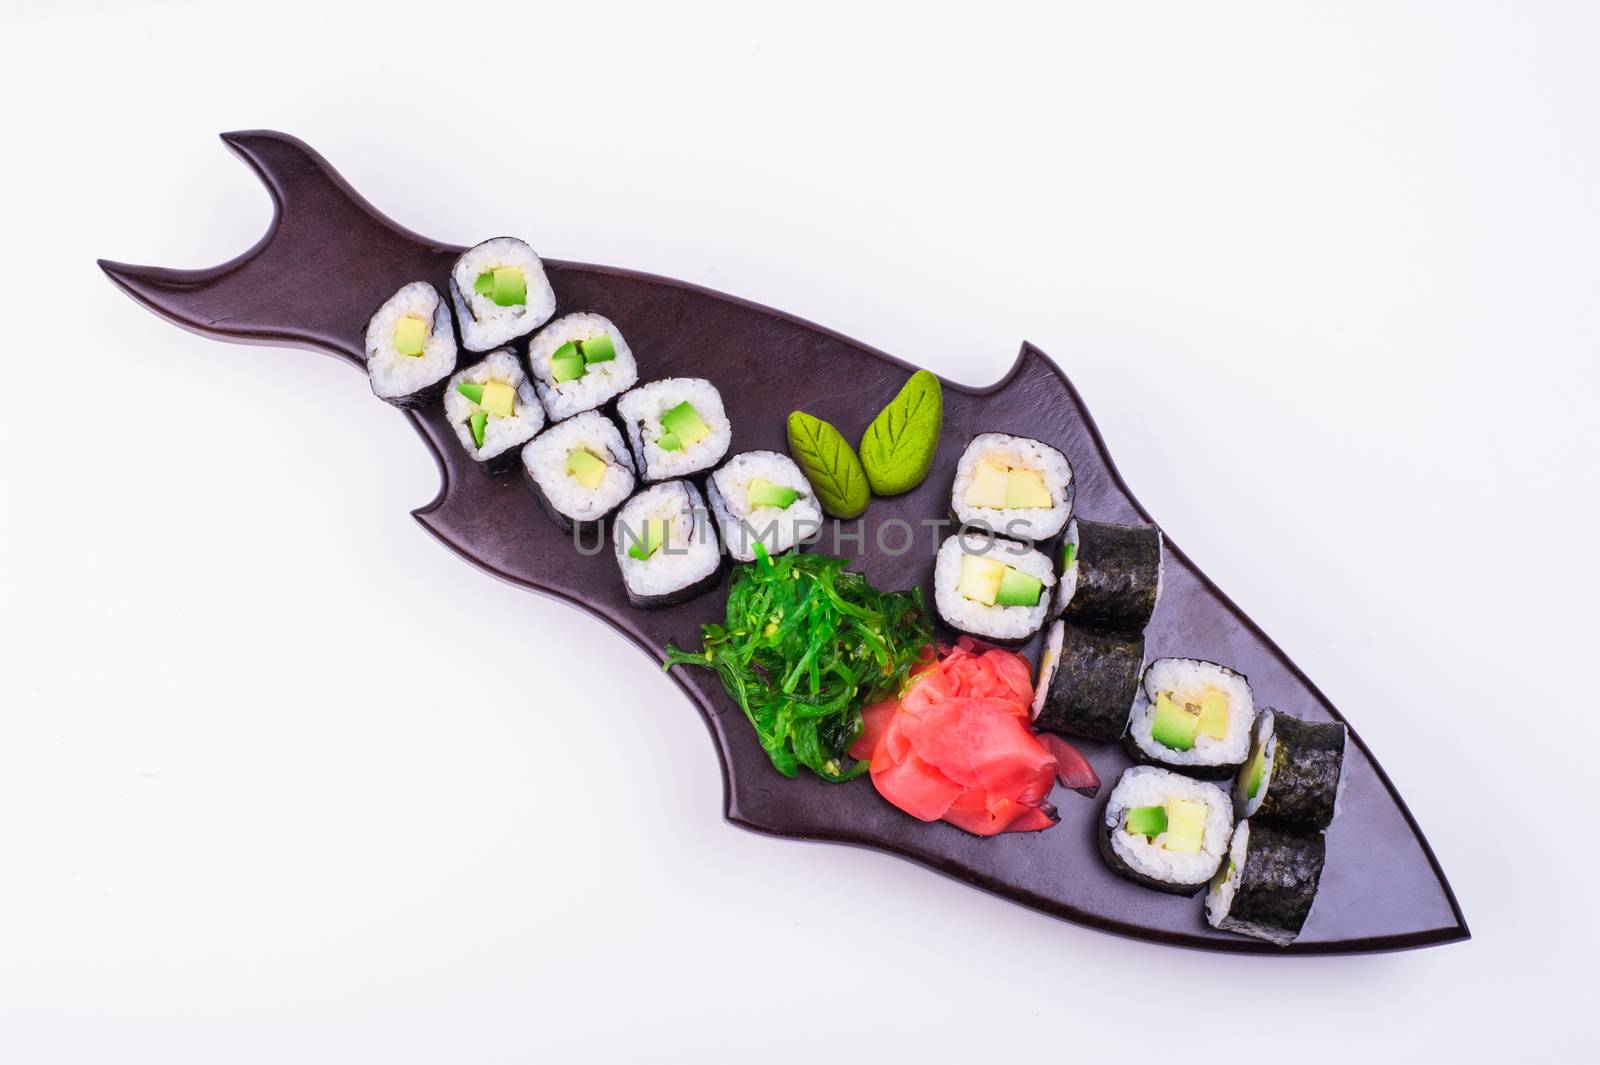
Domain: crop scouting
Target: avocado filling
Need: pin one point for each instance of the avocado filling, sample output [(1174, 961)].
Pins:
[(1069, 555), (492, 397), (1177, 825), (504, 284), (1254, 773), (649, 540), (763, 493), (993, 583), (681, 427), (588, 468), (410, 335), (1177, 725), (479, 419), (1002, 487), (572, 360)]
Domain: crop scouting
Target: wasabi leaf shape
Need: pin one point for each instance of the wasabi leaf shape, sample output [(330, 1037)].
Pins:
[(830, 464), (898, 447)]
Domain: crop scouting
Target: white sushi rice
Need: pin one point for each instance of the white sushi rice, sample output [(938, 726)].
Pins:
[(600, 382), (1049, 658), (689, 552), (992, 622), (499, 434), (775, 528), (1264, 741), (484, 323), (395, 375), (545, 460), (1153, 786), (1219, 899), (641, 411), (1015, 452), (1183, 678)]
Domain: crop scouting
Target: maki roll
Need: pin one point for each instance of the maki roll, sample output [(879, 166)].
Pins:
[(500, 293), (410, 346), (675, 426), (1269, 884), (992, 588), (493, 409), (1087, 681), (580, 362), (579, 469), (1293, 773), (762, 497), (1015, 486), (1164, 830), (1192, 715), (1110, 575), (665, 545)]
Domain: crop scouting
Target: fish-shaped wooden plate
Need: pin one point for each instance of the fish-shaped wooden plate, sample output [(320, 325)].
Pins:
[(1382, 888)]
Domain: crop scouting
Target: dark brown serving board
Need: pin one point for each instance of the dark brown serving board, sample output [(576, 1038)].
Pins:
[(1383, 888)]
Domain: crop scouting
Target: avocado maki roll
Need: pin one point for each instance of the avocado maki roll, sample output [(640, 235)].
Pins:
[(1292, 776), (1110, 575), (762, 497), (1164, 830), (580, 362), (675, 426), (410, 346), (665, 545), (500, 293), (1269, 884), (1088, 680), (1192, 715), (493, 409), (579, 469), (1017, 487), (992, 588)]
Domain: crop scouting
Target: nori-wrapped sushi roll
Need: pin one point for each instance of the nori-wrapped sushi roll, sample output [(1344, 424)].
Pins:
[(1267, 887), (1192, 716), (666, 545), (1110, 575), (494, 410), (1292, 777), (579, 470), (1087, 681), (410, 347), (1165, 831)]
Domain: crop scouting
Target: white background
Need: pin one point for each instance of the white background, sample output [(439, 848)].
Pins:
[(281, 779)]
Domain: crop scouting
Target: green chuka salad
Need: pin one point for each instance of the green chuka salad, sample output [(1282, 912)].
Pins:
[(805, 645)]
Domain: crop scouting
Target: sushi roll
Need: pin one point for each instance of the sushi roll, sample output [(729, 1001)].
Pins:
[(992, 588), (762, 497), (665, 545), (579, 469), (675, 426), (1110, 575), (1019, 488), (1269, 883), (1164, 830), (1192, 715), (500, 293), (1293, 773), (411, 347), (493, 409), (579, 362), (1087, 681)]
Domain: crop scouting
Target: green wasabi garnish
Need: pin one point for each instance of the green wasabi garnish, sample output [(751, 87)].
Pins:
[(898, 447), (830, 464)]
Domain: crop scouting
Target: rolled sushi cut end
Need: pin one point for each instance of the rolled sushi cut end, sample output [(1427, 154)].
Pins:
[(993, 588), (1192, 715), (665, 545), (1166, 831), (675, 426), (1018, 487), (1110, 575), (1293, 774), (410, 346), (500, 293), (1268, 885), (580, 362), (1088, 681), (579, 469), (493, 409), (762, 497)]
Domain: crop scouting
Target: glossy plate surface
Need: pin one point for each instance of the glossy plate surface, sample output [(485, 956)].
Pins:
[(1382, 889)]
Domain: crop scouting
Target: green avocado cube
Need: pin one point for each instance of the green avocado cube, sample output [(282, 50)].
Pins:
[(479, 419), (598, 349), (1069, 555), (499, 399), (1254, 772), (484, 284), (1186, 826), (587, 467), (1018, 589), (471, 391), (763, 493), (510, 287), (669, 442), (1147, 821), (1173, 726), (410, 335), (684, 423), (566, 363), (649, 540)]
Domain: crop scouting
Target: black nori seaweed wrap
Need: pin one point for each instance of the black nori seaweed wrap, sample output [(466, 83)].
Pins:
[(1119, 575), (1306, 762), (1092, 685), (1277, 885)]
